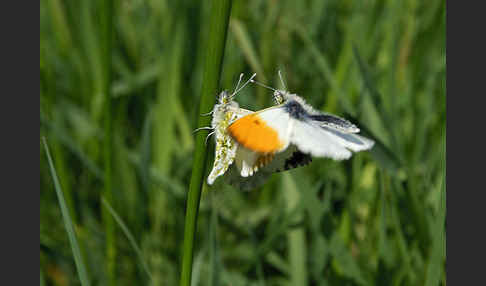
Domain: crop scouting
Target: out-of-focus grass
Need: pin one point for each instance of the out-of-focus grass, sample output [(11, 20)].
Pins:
[(377, 219)]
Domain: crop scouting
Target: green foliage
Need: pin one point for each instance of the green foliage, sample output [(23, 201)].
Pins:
[(377, 219)]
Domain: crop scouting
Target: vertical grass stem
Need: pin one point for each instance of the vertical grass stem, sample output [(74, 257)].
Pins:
[(220, 12)]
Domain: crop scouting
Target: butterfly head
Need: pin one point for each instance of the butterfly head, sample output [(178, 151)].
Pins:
[(224, 98), (280, 96)]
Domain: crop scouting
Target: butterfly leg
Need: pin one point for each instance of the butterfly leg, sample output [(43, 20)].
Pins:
[(202, 128), (209, 113), (207, 137)]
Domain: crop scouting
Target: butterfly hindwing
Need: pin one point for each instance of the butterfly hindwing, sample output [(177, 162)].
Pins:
[(289, 159)]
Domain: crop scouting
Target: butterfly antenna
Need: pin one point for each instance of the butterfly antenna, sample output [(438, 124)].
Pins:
[(238, 84), (281, 79), (261, 84), (248, 81)]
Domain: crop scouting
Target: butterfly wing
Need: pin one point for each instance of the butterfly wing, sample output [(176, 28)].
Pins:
[(324, 141), (226, 148), (266, 131), (245, 161), (224, 154), (353, 142), (311, 139), (286, 160), (291, 158), (318, 134), (245, 183), (334, 122), (260, 135)]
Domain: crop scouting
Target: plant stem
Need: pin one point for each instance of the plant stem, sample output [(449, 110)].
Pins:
[(220, 13)]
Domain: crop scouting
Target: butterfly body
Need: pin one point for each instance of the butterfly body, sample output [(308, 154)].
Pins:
[(224, 113)]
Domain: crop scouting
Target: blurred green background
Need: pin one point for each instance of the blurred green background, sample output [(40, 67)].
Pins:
[(377, 219)]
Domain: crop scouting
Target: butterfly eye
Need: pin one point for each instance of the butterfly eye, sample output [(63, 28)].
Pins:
[(278, 97)]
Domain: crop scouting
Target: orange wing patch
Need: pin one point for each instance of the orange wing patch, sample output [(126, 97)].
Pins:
[(253, 133)]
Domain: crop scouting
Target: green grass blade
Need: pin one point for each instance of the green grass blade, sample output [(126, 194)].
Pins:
[(73, 146), (214, 259), (129, 236), (343, 260), (196, 270), (324, 67), (128, 86), (42, 279), (58, 19), (297, 245), (220, 12), (437, 259), (380, 152), (78, 259), (183, 126), (240, 33), (106, 39), (376, 97)]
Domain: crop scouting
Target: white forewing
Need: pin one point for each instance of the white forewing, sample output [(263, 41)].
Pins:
[(351, 141), (311, 138), (278, 119)]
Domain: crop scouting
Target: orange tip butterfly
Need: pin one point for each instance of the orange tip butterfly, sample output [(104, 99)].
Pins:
[(295, 124), (224, 113)]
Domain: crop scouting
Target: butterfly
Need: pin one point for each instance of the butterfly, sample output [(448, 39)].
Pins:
[(224, 113), (239, 160), (293, 124)]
